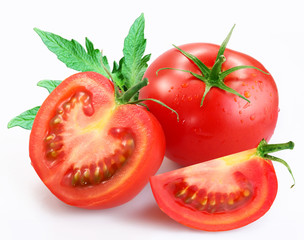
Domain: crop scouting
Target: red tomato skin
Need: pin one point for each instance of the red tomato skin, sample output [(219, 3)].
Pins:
[(225, 124), (132, 177), (265, 189)]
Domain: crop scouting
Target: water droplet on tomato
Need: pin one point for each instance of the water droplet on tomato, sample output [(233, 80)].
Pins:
[(252, 117), (246, 105), (247, 94), (260, 85), (184, 85), (202, 133)]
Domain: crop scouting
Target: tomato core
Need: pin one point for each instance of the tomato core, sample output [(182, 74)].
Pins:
[(88, 167), (101, 169)]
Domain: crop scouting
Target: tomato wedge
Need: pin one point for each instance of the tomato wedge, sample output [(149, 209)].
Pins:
[(90, 151), (218, 195)]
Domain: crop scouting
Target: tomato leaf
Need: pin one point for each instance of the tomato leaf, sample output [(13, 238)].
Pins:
[(49, 85), (125, 74), (135, 63), (24, 120), (73, 53), (117, 74)]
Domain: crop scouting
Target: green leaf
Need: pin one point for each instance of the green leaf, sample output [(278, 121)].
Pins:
[(105, 64), (49, 85), (135, 64), (24, 120), (72, 53), (117, 75)]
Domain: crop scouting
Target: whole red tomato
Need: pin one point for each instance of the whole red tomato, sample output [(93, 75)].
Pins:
[(223, 123)]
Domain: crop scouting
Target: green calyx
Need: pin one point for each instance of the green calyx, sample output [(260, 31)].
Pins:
[(130, 96), (264, 148), (214, 77)]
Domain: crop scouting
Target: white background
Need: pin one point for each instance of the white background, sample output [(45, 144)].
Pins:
[(270, 31)]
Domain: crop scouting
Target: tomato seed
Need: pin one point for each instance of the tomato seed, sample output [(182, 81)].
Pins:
[(246, 193), (212, 202)]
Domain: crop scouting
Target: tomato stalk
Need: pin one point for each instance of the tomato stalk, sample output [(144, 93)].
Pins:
[(213, 77), (131, 92), (128, 96), (264, 148)]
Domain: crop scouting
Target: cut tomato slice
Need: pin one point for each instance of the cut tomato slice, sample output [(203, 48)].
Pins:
[(90, 151), (217, 195)]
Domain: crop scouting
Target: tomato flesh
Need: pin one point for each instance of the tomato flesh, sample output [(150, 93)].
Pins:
[(89, 151), (220, 194), (226, 123)]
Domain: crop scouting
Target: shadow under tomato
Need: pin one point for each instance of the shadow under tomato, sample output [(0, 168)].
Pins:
[(142, 210), (152, 215)]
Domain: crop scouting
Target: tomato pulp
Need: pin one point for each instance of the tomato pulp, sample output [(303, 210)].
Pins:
[(90, 151), (218, 195), (225, 123)]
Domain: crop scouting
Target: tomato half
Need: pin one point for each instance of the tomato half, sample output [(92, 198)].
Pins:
[(225, 123), (89, 151), (218, 195)]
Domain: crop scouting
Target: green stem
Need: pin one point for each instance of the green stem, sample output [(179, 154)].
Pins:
[(217, 68), (264, 148), (131, 92)]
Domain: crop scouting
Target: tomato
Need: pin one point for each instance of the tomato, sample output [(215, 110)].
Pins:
[(218, 195), (90, 151), (225, 123)]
